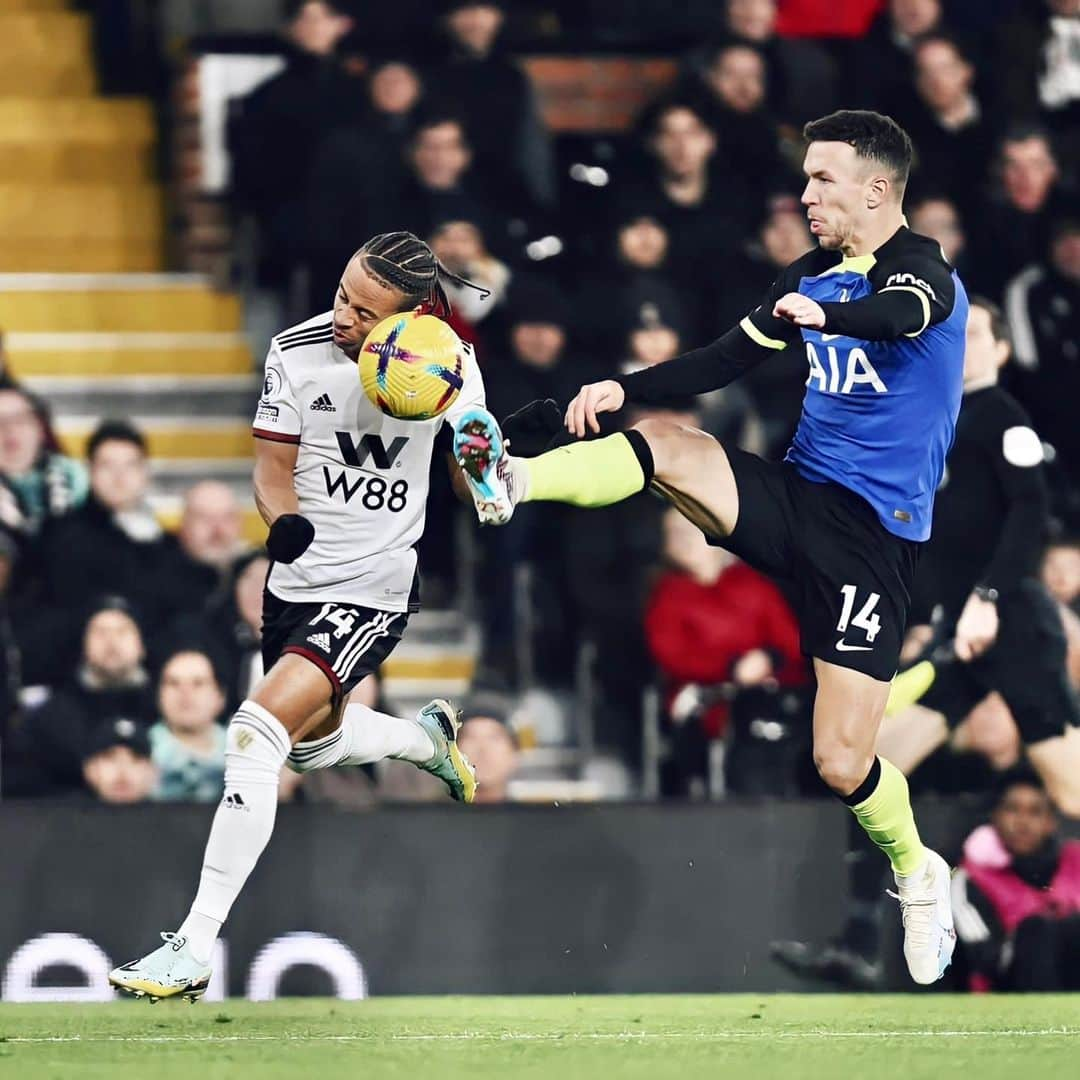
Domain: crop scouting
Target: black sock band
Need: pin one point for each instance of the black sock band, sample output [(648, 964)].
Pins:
[(866, 788), (640, 445)]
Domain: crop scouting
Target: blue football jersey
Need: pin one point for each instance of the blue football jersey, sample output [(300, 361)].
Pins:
[(878, 416)]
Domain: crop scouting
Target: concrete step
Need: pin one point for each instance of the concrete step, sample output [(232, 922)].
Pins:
[(145, 303), (76, 139), (114, 256), (169, 436), (93, 356), (41, 33), (118, 122), (11, 6), (186, 396), (80, 213), (39, 77)]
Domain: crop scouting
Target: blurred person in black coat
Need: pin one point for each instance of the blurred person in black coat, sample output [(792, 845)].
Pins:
[(1015, 222), (802, 76), (951, 130), (683, 190), (275, 132), (1043, 307), (114, 543), (43, 755), (882, 61), (498, 105), (535, 363), (358, 169), (733, 95), (441, 184)]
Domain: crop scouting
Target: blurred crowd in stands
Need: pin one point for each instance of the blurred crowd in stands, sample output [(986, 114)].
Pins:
[(605, 253)]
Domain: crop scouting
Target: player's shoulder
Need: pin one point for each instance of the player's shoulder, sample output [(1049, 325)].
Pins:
[(810, 264), (316, 331), (913, 251)]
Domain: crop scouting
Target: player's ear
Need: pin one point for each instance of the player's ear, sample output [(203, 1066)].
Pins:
[(877, 191)]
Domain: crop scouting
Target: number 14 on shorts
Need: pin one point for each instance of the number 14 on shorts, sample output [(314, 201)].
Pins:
[(866, 619)]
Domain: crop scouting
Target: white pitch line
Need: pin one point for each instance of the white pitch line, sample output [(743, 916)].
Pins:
[(471, 1036)]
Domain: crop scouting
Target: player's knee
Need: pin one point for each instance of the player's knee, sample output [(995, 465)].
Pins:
[(671, 445), (841, 765)]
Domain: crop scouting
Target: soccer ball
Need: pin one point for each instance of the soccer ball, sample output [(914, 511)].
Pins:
[(412, 366)]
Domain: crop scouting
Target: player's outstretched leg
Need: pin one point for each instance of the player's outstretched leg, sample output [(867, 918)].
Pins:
[(594, 473), (365, 736)]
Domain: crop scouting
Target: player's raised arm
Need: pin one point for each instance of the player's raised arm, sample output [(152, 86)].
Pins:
[(698, 371)]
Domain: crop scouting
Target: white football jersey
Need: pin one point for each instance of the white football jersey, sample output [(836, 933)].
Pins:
[(361, 476)]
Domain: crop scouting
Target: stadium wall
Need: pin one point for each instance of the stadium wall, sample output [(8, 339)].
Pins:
[(401, 900)]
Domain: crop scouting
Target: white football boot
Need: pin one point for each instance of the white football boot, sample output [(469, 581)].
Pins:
[(926, 909), (169, 971), (494, 478)]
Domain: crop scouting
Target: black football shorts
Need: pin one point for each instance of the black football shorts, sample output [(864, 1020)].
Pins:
[(1026, 665), (345, 641), (849, 578)]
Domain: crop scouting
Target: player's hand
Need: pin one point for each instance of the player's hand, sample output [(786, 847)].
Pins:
[(977, 628), (800, 310), (752, 668), (600, 397)]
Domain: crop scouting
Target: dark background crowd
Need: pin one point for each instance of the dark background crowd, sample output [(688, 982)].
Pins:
[(123, 647)]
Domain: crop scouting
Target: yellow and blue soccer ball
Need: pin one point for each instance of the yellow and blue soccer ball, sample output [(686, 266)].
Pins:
[(412, 366)]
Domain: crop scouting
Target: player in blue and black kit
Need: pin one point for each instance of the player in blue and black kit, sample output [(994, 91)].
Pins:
[(881, 316)]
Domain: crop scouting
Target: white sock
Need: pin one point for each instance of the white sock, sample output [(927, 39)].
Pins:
[(256, 748), (365, 736)]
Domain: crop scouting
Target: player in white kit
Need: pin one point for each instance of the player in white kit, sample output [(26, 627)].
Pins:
[(343, 488)]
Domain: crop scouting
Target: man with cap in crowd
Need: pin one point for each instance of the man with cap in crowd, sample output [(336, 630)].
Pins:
[(116, 765)]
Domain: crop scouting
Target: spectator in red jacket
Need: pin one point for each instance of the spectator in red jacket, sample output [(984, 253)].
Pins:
[(711, 619), (1016, 896)]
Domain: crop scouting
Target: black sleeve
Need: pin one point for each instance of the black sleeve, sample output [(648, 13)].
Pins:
[(913, 289), (1017, 454), (713, 366)]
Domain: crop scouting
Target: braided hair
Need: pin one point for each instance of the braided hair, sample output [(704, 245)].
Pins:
[(404, 262)]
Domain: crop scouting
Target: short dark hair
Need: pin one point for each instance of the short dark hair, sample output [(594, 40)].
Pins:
[(874, 136), (999, 325), (648, 122), (114, 431), (1018, 776), (433, 119)]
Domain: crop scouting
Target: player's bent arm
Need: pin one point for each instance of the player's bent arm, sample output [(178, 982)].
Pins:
[(881, 316)]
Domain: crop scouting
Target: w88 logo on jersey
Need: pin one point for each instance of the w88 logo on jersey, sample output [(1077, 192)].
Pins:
[(373, 492)]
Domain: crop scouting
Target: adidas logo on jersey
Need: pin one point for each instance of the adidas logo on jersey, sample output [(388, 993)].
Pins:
[(234, 802), (322, 640), (323, 404)]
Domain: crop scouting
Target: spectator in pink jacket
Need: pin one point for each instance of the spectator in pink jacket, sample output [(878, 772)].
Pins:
[(1016, 896)]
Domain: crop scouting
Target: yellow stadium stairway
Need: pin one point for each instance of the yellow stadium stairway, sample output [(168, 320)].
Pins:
[(163, 350)]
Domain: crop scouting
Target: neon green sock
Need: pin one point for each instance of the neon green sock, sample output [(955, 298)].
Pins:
[(887, 817), (595, 473), (909, 687)]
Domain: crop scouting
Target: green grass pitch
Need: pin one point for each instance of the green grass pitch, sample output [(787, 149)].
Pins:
[(932, 1036)]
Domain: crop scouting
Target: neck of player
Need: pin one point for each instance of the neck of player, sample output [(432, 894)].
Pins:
[(873, 231)]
